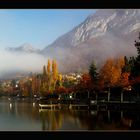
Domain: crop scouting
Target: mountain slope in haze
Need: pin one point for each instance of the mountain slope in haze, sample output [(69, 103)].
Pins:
[(107, 33)]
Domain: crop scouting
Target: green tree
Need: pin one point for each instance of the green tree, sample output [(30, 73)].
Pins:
[(44, 71), (93, 71), (127, 65), (48, 79), (43, 87), (135, 70)]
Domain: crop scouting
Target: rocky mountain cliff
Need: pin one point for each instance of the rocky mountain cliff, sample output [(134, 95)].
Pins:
[(107, 33)]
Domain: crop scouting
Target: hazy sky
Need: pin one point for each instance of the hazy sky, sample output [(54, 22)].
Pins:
[(39, 27)]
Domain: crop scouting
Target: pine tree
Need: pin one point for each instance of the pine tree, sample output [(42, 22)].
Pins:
[(48, 79), (93, 71), (127, 65), (135, 70), (44, 80), (136, 61), (44, 71), (137, 45)]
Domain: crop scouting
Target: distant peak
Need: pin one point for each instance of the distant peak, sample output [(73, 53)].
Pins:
[(26, 47)]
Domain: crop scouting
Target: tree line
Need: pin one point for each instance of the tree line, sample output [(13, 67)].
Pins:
[(120, 72)]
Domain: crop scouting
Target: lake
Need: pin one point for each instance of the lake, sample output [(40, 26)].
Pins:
[(22, 115)]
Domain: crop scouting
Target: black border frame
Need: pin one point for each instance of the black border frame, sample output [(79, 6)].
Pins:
[(85, 135), (69, 4), (64, 4)]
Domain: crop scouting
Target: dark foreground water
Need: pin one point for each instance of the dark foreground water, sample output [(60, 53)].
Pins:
[(23, 115)]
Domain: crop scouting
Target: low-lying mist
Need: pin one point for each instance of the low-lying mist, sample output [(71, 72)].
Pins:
[(69, 59), (19, 62)]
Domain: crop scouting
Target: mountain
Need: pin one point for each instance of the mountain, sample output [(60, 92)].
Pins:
[(25, 48), (104, 34)]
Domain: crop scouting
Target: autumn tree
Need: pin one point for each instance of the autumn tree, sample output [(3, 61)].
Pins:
[(111, 71), (49, 67), (61, 90), (106, 72), (43, 88), (124, 79), (59, 81), (125, 73), (85, 82), (54, 73), (21, 87), (49, 78), (54, 70), (26, 88), (85, 86), (38, 83), (33, 84)]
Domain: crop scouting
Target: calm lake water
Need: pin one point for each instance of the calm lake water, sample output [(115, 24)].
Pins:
[(26, 116)]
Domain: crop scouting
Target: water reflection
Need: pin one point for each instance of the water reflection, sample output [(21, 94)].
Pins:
[(10, 105), (51, 119), (87, 120), (24, 115)]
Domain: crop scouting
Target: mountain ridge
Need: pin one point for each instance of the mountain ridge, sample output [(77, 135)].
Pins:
[(104, 34)]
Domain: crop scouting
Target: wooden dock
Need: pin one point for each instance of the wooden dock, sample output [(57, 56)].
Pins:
[(63, 106), (78, 106), (49, 106), (92, 105)]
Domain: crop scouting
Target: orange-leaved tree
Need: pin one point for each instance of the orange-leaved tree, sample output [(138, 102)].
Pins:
[(111, 71)]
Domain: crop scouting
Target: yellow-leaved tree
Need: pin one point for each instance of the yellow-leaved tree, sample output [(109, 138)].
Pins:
[(54, 73)]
